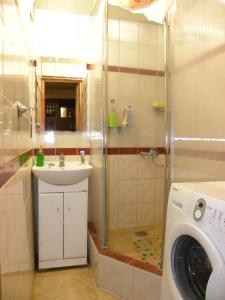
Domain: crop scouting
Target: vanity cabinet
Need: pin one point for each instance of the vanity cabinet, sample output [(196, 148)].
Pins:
[(50, 226), (61, 224)]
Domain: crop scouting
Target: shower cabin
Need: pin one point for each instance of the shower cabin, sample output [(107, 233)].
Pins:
[(129, 155)]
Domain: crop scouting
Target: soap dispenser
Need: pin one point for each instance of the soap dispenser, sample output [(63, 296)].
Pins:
[(40, 157)]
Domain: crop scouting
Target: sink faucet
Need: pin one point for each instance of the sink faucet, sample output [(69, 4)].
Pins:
[(62, 160)]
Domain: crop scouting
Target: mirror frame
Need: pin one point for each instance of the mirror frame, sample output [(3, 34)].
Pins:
[(79, 97)]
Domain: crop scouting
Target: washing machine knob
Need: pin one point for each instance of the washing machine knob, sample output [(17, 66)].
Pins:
[(199, 209), (198, 214)]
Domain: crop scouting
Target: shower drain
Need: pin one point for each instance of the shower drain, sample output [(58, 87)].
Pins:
[(141, 233)]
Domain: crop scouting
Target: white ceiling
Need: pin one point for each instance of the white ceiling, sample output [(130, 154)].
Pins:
[(83, 7)]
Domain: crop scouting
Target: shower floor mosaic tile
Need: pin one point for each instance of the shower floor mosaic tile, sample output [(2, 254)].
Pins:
[(141, 243)]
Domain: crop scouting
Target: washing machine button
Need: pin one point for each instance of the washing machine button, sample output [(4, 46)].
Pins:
[(199, 209), (198, 214)]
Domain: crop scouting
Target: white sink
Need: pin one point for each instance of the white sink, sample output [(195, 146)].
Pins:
[(73, 172)]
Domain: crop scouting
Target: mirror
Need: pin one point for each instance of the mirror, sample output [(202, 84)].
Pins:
[(62, 104)]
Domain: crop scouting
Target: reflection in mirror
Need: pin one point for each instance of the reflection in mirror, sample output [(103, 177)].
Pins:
[(62, 104)]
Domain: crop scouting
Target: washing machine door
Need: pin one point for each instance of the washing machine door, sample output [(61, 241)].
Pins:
[(197, 270)]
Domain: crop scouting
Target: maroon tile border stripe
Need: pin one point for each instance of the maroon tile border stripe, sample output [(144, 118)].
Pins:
[(159, 73), (12, 166), (90, 66), (109, 151), (133, 150), (66, 151), (139, 71), (125, 259), (47, 151), (87, 150), (128, 150), (113, 151)]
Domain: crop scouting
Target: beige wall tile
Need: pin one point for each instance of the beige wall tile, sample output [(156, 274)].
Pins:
[(160, 135), (129, 54), (113, 216), (146, 168), (127, 282), (160, 190), (71, 139), (147, 57), (113, 167), (113, 186), (127, 191), (128, 86), (147, 87), (110, 275), (160, 35), (160, 58), (93, 259), (128, 32), (147, 115), (159, 213), (16, 247), (126, 215), (127, 166), (128, 137), (146, 285), (113, 86), (146, 190), (147, 33), (160, 166), (145, 214), (160, 89), (113, 30), (147, 136), (113, 137), (113, 53)]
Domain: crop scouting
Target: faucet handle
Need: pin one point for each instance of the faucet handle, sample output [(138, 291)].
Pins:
[(61, 160)]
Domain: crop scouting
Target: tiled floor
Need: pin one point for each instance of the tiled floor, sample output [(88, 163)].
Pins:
[(67, 284), (141, 243)]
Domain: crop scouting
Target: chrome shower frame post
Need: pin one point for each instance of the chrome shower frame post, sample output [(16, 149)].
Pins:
[(167, 176)]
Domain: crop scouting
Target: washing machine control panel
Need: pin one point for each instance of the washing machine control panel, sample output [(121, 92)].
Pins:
[(210, 215), (199, 209)]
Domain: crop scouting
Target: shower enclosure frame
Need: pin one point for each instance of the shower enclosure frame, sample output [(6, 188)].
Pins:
[(167, 176)]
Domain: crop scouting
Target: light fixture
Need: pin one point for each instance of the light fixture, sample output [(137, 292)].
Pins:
[(154, 10)]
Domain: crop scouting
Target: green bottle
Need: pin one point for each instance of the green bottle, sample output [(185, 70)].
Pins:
[(113, 120), (40, 158)]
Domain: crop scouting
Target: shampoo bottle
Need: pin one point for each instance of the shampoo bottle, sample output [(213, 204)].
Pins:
[(40, 158), (113, 120), (82, 157)]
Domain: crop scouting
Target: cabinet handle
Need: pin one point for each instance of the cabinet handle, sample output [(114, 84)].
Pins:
[(69, 208), (58, 209)]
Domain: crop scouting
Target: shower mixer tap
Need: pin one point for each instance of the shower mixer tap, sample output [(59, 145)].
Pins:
[(153, 152)]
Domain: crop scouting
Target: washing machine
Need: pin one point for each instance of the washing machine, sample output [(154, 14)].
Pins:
[(194, 254)]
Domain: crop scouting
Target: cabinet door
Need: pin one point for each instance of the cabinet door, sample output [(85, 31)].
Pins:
[(75, 224), (50, 225)]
